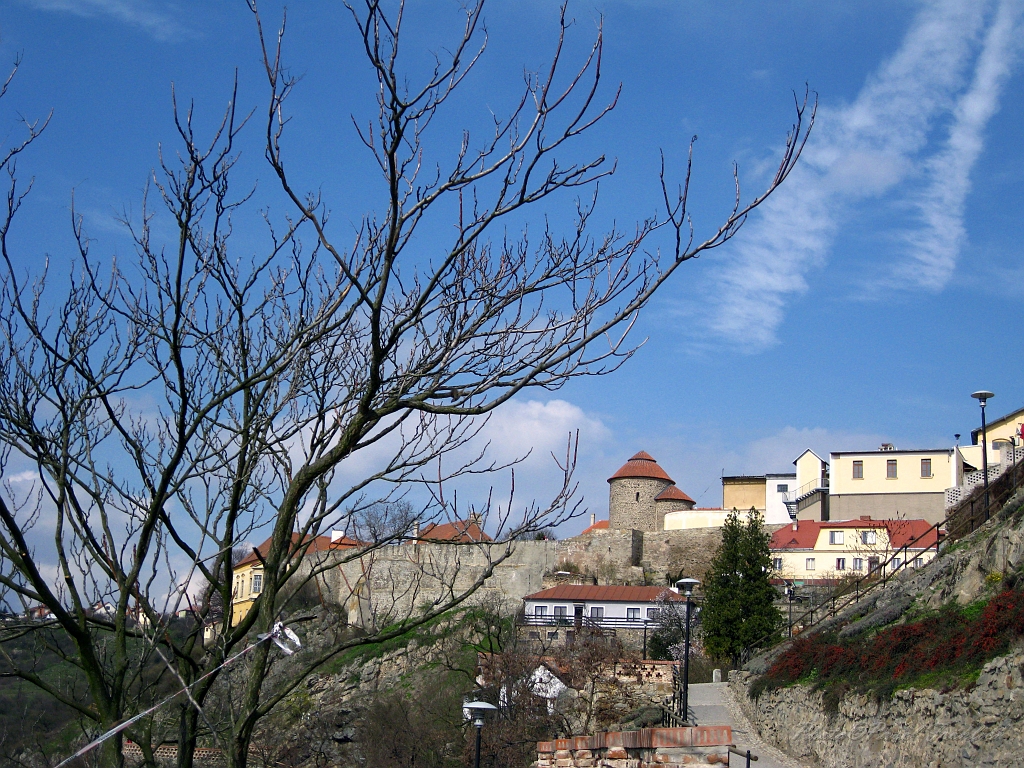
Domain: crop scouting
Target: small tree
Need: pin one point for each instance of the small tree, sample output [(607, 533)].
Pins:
[(739, 599)]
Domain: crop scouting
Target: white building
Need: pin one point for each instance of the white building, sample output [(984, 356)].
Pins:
[(571, 605)]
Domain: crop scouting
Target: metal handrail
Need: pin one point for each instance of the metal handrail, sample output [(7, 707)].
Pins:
[(805, 490)]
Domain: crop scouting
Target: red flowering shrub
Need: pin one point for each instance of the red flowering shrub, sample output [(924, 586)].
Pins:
[(951, 644)]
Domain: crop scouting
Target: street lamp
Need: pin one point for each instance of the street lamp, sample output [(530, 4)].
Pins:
[(686, 586), (477, 710), (982, 396)]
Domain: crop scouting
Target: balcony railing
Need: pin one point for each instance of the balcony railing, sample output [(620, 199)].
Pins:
[(605, 622)]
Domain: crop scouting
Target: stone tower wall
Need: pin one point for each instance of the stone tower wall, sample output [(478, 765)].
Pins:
[(662, 508), (631, 503)]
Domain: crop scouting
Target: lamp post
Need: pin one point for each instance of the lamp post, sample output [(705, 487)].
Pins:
[(982, 396), (477, 710), (687, 585), (791, 594)]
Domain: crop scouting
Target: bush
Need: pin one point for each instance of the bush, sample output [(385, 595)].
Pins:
[(948, 646)]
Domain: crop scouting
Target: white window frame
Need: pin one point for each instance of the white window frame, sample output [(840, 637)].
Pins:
[(809, 564), (257, 583), (840, 563), (858, 563), (868, 538), (835, 537), (777, 563)]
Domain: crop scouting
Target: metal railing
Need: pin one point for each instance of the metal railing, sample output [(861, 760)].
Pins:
[(805, 490), (588, 622)]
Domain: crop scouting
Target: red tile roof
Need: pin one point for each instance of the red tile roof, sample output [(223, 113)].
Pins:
[(606, 594), (464, 531), (673, 493), (914, 533), (641, 465), (598, 526), (318, 544)]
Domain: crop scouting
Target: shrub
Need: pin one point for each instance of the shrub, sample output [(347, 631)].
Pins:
[(949, 646)]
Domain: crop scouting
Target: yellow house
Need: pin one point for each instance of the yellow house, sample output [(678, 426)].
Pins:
[(890, 483), (812, 551), (248, 581), (810, 499)]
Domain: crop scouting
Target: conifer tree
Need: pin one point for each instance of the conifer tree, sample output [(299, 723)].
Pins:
[(739, 609)]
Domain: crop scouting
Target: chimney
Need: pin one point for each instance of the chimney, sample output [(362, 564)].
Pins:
[(593, 518), (865, 517), (475, 518), (416, 529), (794, 525)]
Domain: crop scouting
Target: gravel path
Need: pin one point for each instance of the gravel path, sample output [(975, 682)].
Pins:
[(714, 704)]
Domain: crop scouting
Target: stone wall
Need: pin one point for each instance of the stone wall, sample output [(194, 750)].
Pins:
[(631, 503), (915, 728), (646, 748)]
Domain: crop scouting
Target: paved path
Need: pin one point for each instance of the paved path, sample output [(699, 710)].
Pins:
[(714, 704)]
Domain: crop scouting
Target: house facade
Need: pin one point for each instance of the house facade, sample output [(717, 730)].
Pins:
[(569, 607), (890, 483), (765, 493), (821, 552), (248, 572)]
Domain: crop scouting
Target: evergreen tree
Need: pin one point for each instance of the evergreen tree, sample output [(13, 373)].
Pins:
[(739, 608)]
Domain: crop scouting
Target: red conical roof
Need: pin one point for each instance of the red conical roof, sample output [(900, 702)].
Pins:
[(641, 465), (673, 493)]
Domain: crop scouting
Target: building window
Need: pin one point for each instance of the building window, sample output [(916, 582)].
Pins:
[(890, 469), (653, 613), (926, 467), (257, 583), (918, 562), (868, 537), (540, 610), (858, 564), (638, 495), (858, 470), (835, 537), (633, 614), (782, 488), (561, 611), (896, 563), (809, 564), (535, 635), (596, 612), (553, 635), (840, 563), (777, 563)]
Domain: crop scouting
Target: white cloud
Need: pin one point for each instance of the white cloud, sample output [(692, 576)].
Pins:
[(156, 18), (951, 65)]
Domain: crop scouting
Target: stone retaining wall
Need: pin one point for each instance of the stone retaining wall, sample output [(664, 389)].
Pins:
[(646, 748), (926, 728)]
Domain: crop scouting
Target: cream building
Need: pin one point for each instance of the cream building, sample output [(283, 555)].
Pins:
[(811, 551), (889, 483)]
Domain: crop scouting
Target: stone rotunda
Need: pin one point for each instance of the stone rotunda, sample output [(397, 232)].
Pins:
[(641, 493)]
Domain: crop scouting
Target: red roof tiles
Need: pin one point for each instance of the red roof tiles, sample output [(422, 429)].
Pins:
[(607, 594), (318, 544), (463, 531), (598, 526), (673, 493), (914, 533), (641, 465)]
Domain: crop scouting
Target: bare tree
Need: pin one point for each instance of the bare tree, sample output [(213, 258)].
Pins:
[(173, 408)]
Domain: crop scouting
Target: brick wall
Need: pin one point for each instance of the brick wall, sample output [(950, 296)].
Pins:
[(646, 748)]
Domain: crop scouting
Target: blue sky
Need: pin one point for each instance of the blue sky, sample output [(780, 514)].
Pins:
[(863, 303)]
